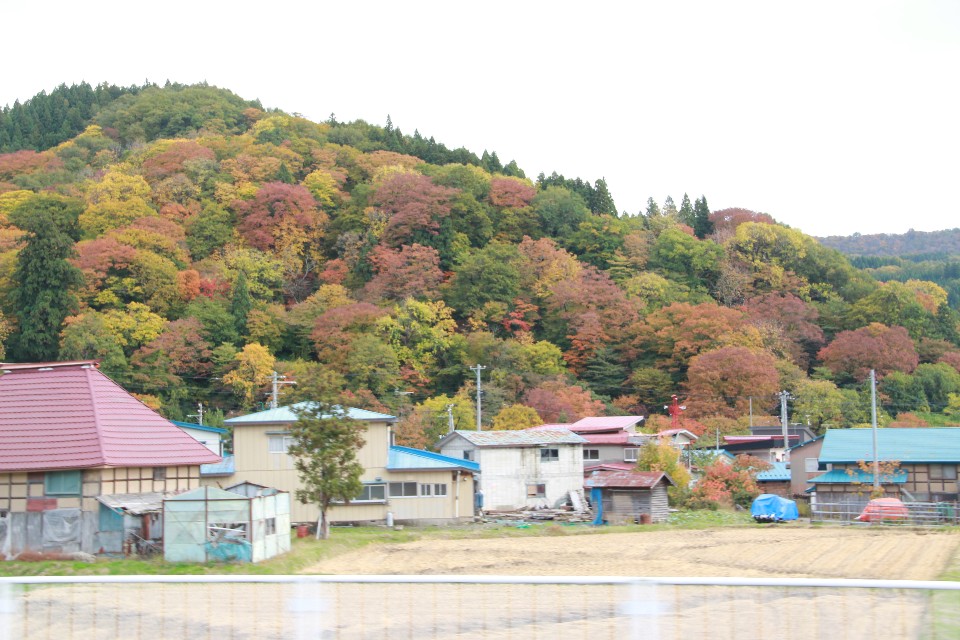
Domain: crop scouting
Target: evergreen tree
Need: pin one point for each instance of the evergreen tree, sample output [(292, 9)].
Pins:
[(240, 303), (44, 280), (686, 213), (702, 226), (653, 210), (669, 207), (601, 200), (284, 175)]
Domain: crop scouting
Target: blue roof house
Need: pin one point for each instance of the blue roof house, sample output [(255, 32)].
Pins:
[(915, 464)]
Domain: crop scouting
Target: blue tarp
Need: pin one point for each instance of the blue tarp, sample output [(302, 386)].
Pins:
[(769, 507)]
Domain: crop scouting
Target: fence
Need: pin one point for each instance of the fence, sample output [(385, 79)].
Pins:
[(474, 607), (919, 514)]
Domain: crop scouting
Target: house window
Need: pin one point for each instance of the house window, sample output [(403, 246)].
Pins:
[(159, 474), (431, 489), (630, 455), (591, 454), (62, 483), (943, 472), (468, 455), (279, 444), (403, 489), (535, 490), (372, 493), (549, 455), (270, 526), (811, 465)]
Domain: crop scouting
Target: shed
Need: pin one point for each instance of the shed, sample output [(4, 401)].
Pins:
[(210, 524), (629, 496)]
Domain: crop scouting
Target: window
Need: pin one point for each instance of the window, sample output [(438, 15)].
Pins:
[(403, 489), (270, 526), (591, 454), (468, 455), (943, 472), (536, 490), (549, 455), (372, 493), (436, 490), (279, 444), (62, 483), (811, 464), (630, 455), (159, 474)]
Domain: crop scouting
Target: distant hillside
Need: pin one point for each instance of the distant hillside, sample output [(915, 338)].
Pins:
[(929, 243)]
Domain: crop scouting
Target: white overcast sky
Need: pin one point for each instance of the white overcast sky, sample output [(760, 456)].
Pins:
[(834, 117)]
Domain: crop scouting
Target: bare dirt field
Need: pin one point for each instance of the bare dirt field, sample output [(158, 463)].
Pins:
[(785, 551)]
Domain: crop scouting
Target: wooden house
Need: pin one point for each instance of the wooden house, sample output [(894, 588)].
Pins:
[(620, 496)]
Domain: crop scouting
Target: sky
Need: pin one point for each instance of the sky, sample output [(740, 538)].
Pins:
[(834, 117)]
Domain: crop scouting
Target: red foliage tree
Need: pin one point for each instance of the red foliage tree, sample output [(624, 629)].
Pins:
[(179, 352), (413, 204), (171, 161), (680, 331), (792, 317), (721, 382), (558, 402), (510, 193), (729, 219), (852, 354), (333, 328), (277, 208), (411, 272)]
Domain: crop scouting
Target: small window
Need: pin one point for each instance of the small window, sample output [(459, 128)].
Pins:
[(403, 489), (426, 489), (433, 489), (943, 472), (630, 454), (372, 493), (535, 490), (270, 526), (468, 455), (549, 455), (811, 465), (159, 474), (591, 454), (62, 483), (279, 444)]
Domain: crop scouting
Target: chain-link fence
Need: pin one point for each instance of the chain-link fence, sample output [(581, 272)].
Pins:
[(917, 514), (494, 607)]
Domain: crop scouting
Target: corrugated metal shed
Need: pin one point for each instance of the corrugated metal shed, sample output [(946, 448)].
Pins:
[(288, 414), (520, 438), (71, 416), (136, 504), (407, 459), (626, 479), (925, 445)]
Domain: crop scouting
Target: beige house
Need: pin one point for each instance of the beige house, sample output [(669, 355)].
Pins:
[(407, 485)]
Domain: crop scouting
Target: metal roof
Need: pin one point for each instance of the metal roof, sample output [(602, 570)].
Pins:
[(625, 479), (225, 467), (198, 427), (621, 437), (406, 458), (523, 438), (136, 503), (72, 416), (777, 472), (858, 476), (605, 423), (288, 414), (923, 445)]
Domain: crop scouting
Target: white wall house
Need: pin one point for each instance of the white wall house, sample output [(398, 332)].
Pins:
[(521, 469)]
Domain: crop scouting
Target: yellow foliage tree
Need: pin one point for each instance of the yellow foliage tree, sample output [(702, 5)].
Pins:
[(254, 364), (516, 417)]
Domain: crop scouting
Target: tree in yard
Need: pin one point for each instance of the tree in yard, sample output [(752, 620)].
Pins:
[(729, 484), (657, 455), (325, 446), (44, 281)]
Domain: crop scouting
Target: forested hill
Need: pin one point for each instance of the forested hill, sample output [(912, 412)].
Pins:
[(911, 243), (194, 242)]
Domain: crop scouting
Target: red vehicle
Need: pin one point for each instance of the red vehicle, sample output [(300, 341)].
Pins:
[(884, 510)]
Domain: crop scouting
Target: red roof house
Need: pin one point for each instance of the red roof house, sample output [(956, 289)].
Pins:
[(69, 436)]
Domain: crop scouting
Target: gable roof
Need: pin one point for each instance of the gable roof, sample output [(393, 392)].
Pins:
[(605, 423), (523, 438), (69, 415), (199, 427), (288, 414), (925, 445), (626, 479), (407, 458)]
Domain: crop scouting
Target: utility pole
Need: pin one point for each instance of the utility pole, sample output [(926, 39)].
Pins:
[(784, 395), (198, 415), (478, 369), (873, 426), (276, 380)]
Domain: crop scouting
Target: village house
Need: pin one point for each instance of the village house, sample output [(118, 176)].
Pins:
[(84, 466), (917, 465), (608, 439), (521, 469), (399, 483), (628, 496), (805, 465)]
